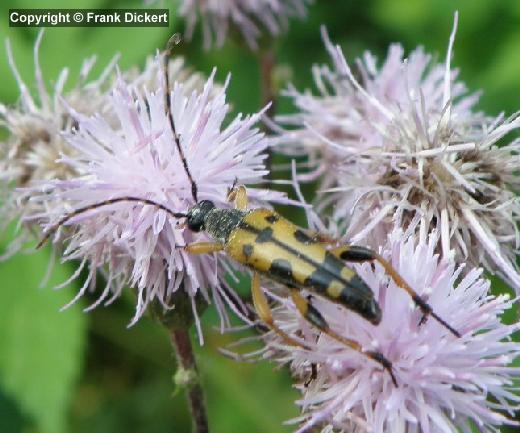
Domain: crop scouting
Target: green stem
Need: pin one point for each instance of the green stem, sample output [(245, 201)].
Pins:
[(178, 322), (187, 376)]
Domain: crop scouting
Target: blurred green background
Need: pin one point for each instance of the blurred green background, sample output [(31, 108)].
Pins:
[(75, 372)]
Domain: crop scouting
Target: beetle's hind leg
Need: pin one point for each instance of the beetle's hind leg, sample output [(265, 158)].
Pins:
[(355, 253), (265, 314), (312, 315), (238, 194)]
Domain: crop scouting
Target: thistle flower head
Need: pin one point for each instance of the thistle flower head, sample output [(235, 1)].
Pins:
[(178, 70), (347, 118), (250, 17), (138, 244), (34, 125), (34, 143), (405, 147), (444, 383)]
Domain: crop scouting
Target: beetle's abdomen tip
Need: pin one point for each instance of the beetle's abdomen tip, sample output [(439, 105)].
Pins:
[(374, 314)]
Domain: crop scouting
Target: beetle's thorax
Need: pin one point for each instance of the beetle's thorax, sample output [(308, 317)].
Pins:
[(219, 223)]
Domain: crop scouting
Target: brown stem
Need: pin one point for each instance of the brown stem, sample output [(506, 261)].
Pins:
[(188, 376), (267, 64)]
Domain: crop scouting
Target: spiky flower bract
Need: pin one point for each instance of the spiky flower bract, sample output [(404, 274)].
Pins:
[(138, 245), (250, 17), (444, 383), (405, 144)]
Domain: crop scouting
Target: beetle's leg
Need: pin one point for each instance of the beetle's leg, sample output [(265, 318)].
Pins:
[(321, 238), (355, 253), (203, 247), (264, 311), (311, 314), (238, 194), (313, 376)]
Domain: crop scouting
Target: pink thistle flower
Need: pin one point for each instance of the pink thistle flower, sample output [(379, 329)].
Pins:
[(137, 245), (445, 383), (34, 145), (250, 17), (178, 70), (34, 142), (405, 146)]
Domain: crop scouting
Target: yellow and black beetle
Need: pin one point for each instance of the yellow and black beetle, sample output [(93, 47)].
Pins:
[(272, 246)]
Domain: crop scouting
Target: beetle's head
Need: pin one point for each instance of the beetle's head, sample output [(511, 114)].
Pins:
[(196, 216)]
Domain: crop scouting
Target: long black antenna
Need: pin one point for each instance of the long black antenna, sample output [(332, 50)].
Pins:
[(90, 207), (174, 40)]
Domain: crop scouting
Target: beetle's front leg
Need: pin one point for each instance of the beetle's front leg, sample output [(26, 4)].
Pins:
[(238, 194), (203, 248)]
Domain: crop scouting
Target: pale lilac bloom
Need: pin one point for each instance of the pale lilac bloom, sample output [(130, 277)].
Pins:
[(34, 143), (405, 144), (138, 245), (178, 70), (445, 383), (250, 17)]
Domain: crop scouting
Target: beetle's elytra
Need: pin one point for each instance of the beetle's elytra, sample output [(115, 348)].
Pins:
[(270, 244)]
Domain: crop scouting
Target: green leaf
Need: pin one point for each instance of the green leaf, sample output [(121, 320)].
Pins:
[(41, 348), (68, 47), (261, 398), (11, 419)]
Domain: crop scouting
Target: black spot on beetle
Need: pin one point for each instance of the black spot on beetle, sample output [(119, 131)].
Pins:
[(265, 235), (272, 218), (302, 237), (247, 250), (332, 265), (281, 269), (319, 280)]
